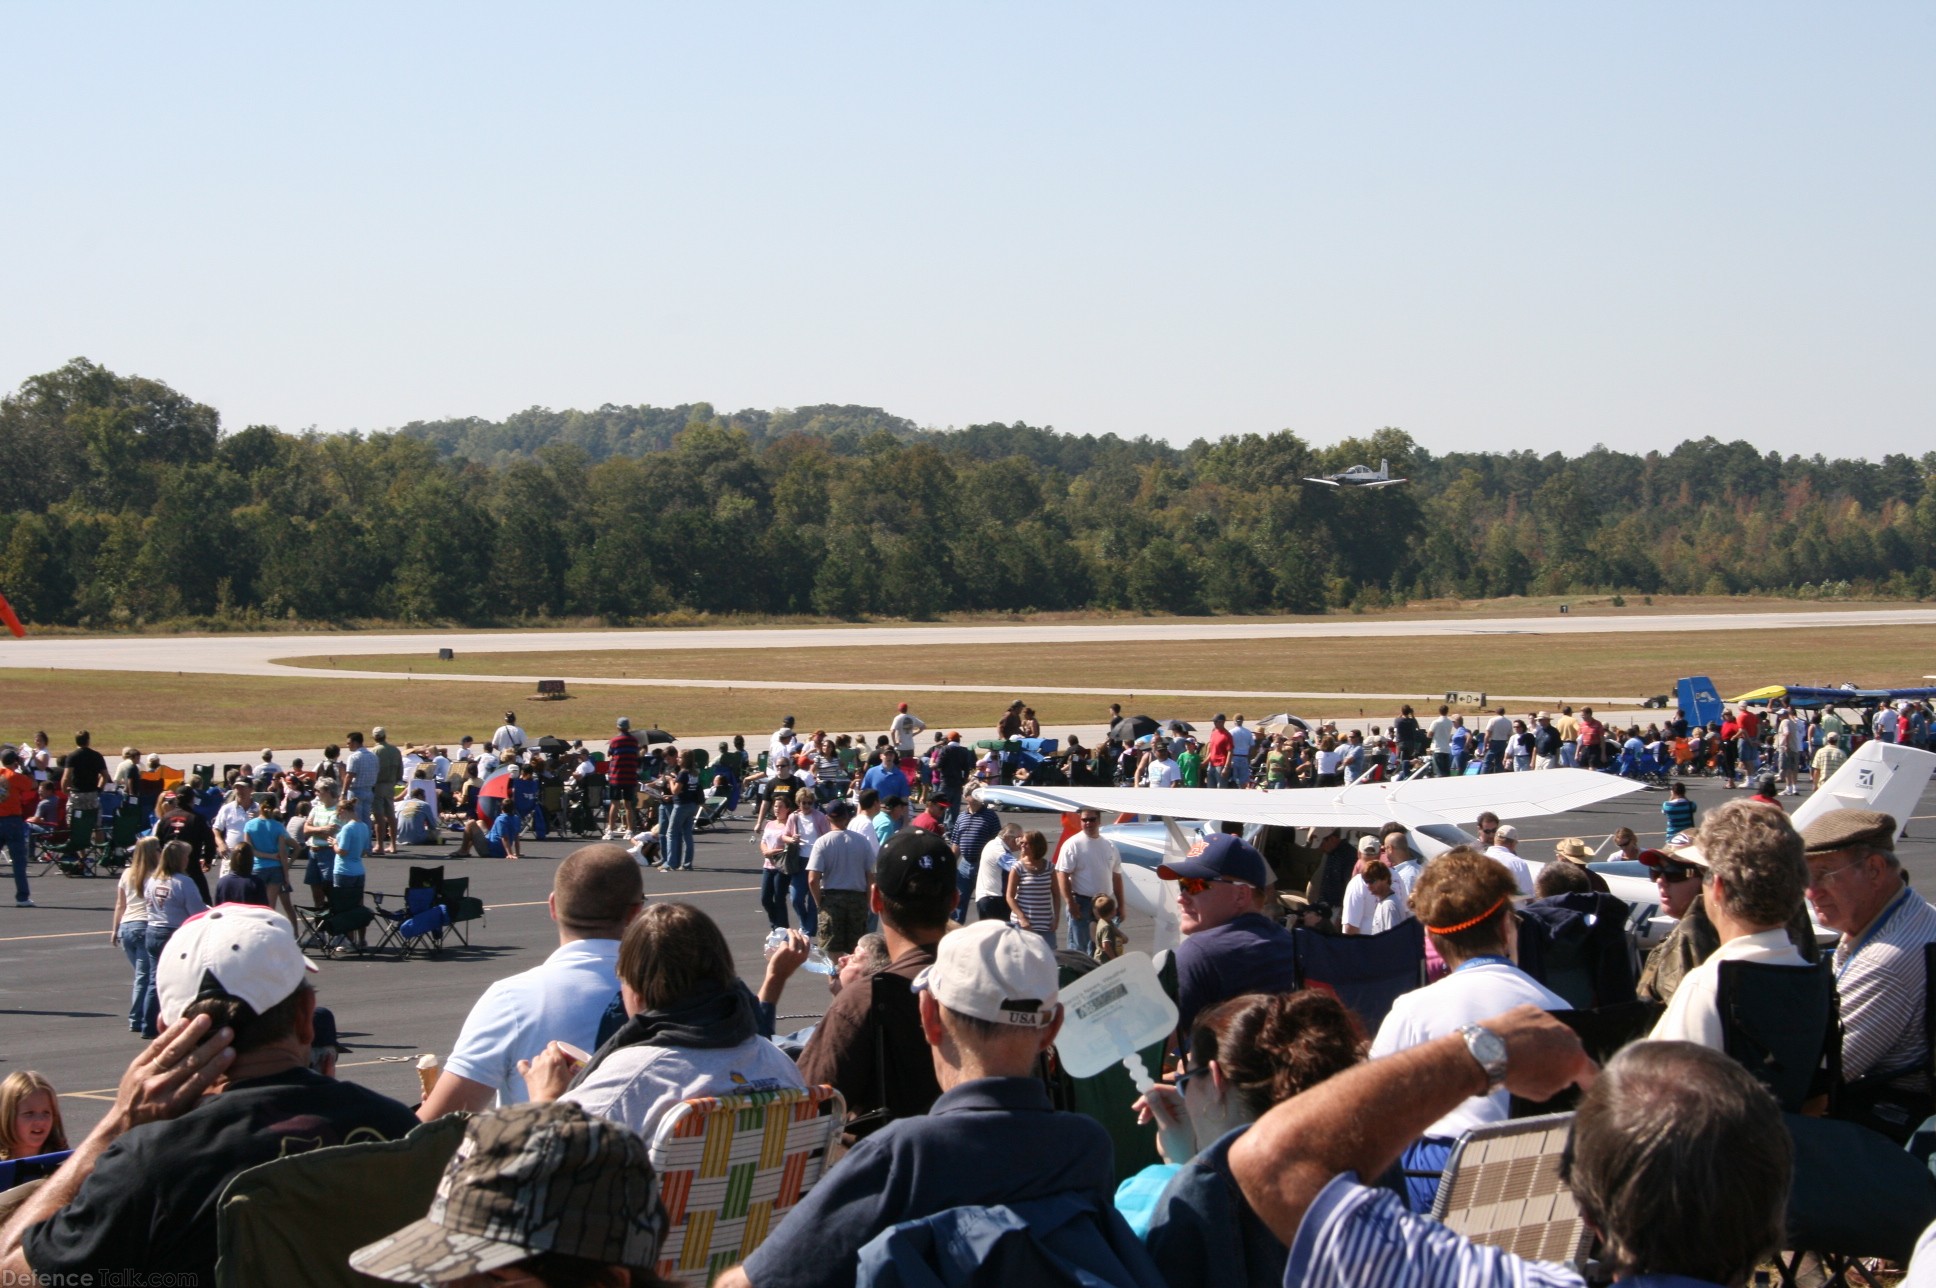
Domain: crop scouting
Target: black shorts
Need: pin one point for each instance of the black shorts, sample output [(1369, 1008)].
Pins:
[(623, 793)]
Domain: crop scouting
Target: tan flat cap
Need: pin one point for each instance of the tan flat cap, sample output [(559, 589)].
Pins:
[(1842, 829)]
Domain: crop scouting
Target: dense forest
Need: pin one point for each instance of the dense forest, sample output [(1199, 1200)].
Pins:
[(124, 503)]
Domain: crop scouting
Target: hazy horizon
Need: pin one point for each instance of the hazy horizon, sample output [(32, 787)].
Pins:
[(1502, 227)]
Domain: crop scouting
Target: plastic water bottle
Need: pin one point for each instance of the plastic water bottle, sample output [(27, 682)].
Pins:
[(817, 963)]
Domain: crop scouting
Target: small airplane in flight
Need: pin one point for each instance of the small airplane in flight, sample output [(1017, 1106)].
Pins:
[(1359, 476)]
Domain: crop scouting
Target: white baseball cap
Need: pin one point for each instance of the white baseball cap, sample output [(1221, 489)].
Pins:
[(1507, 832), (996, 972), (248, 951)]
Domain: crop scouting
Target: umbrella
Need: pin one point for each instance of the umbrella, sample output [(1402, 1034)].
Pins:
[(551, 745), (498, 784), (651, 736), (1130, 728), (1281, 723)]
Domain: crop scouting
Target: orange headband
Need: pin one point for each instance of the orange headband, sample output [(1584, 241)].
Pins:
[(1467, 925)]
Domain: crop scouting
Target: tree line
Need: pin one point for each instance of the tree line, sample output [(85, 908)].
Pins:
[(125, 504)]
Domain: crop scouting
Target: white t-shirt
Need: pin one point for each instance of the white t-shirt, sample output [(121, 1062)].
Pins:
[(1498, 729), (862, 825), (991, 872), (561, 1000), (639, 1085), (507, 737), (1522, 871), (1442, 734), (901, 732), (1693, 1013), (775, 748), (1362, 907), (1240, 741), (1478, 990), (1091, 863), (1162, 773)]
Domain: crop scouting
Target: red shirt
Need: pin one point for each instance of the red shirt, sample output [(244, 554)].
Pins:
[(1221, 745), (928, 823), (23, 795), (1750, 724)]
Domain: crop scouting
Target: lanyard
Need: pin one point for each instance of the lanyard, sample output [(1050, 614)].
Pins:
[(1868, 936), (1481, 959)]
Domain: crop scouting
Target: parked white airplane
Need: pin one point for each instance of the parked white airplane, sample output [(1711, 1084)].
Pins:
[(1435, 812)]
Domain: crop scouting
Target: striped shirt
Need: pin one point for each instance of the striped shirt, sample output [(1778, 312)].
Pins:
[(622, 760), (1355, 1235), (1679, 812), (1881, 979), (1035, 896)]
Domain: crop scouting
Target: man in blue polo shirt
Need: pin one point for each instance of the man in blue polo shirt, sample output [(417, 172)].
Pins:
[(988, 1010), (1229, 948), (887, 779)]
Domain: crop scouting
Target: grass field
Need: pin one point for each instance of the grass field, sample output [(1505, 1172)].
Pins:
[(205, 713), (1562, 666)]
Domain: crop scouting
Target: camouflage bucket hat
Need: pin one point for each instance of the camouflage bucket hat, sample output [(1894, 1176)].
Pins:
[(529, 1179)]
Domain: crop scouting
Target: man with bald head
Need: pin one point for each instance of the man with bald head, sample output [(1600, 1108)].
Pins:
[(1857, 887), (594, 897)]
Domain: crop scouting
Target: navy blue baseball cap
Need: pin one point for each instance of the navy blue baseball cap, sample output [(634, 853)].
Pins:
[(1221, 858)]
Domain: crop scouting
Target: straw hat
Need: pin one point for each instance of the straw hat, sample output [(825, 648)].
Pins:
[(1573, 850)]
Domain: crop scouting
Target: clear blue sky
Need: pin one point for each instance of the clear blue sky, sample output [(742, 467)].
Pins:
[(1498, 226)]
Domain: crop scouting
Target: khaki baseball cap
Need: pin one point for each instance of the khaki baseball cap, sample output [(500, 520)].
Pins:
[(996, 972)]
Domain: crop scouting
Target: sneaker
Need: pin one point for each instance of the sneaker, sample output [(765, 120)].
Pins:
[(25, 903)]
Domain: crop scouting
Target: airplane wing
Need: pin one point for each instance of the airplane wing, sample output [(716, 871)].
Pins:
[(1881, 776), (1366, 805), (1283, 809), (1385, 483), (1545, 791), (1326, 482)]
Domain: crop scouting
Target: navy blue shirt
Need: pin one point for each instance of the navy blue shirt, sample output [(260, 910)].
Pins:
[(986, 1142), (1205, 1235), (974, 829), (1248, 954)]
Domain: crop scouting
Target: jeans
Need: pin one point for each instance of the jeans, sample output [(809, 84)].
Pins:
[(363, 805), (1081, 931), (158, 937), (773, 897), (1239, 773), (804, 905), (134, 944), (1442, 764), (678, 835), (964, 891), (1566, 755), (13, 839), (1495, 757)]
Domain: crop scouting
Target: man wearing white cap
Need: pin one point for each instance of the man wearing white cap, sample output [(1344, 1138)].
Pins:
[(238, 1020), (988, 1010)]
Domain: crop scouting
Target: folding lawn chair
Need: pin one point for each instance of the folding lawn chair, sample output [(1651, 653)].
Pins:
[(344, 916), (730, 1167), (461, 906), (1502, 1188), (422, 916), (126, 830)]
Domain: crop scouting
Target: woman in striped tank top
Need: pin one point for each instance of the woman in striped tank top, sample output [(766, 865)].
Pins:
[(1032, 895)]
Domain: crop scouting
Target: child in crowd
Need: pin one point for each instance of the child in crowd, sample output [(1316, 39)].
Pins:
[(30, 1117), (1110, 941), (240, 884), (1387, 912), (1678, 810)]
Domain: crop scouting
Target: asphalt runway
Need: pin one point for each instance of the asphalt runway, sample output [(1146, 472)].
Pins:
[(64, 987), (254, 654)]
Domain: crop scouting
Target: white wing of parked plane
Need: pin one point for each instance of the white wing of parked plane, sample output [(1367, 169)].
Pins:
[(1364, 805), (1879, 776)]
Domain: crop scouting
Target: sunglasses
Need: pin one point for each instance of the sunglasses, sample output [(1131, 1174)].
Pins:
[(1677, 872), (1197, 885), (1183, 1078)]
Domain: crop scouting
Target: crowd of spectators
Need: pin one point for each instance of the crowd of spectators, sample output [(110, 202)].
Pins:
[(1299, 1145)]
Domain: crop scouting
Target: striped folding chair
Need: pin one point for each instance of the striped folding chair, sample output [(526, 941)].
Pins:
[(731, 1166)]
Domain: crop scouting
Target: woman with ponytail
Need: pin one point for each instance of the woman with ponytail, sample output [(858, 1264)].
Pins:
[(1465, 900), (1246, 1055)]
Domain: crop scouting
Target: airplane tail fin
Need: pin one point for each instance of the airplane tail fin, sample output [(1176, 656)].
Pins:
[(1384, 468), (1881, 776)]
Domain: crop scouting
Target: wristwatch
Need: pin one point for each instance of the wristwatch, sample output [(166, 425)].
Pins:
[(1489, 1049)]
